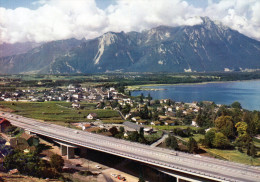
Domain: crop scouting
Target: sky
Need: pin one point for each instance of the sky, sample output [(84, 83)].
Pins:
[(48, 20)]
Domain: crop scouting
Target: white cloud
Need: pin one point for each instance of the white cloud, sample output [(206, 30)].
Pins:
[(62, 19)]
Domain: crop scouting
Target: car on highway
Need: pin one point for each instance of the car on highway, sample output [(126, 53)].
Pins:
[(113, 175), (98, 167)]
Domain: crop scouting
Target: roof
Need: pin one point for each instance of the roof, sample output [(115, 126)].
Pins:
[(19, 143), (141, 121), (169, 121), (93, 114), (26, 136), (2, 120), (132, 125)]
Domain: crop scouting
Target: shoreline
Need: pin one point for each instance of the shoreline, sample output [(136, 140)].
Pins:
[(144, 87)]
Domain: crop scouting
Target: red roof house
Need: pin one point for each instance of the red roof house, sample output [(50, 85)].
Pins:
[(4, 124)]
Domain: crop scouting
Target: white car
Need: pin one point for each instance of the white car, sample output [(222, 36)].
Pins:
[(113, 175), (98, 167)]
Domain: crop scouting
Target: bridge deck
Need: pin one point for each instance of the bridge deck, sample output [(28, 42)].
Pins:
[(203, 167)]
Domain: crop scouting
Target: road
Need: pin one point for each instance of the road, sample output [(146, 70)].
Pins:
[(158, 142), (208, 168)]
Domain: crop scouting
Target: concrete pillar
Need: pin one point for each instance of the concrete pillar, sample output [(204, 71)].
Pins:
[(63, 150), (83, 152), (177, 179), (70, 153)]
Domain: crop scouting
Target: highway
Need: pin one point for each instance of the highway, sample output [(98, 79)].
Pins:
[(195, 165)]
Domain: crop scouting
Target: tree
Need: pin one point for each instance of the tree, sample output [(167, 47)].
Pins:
[(224, 125), (155, 115), (142, 98), (251, 125), (221, 141), (126, 109), (192, 145), (113, 131), (101, 105), (121, 129), (144, 113), (199, 118), (141, 132), (57, 162), (209, 138), (236, 105), (133, 136), (252, 151), (121, 89), (114, 103), (149, 97), (171, 142)]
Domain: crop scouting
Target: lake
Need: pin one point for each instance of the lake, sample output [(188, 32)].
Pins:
[(245, 92)]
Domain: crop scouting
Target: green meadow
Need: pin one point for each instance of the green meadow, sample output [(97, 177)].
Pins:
[(60, 112)]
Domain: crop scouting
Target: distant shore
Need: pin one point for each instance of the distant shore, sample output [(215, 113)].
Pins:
[(144, 87)]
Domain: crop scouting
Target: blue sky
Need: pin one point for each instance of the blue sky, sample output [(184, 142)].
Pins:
[(12, 4), (48, 20)]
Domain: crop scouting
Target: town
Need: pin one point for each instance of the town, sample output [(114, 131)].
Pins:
[(197, 127)]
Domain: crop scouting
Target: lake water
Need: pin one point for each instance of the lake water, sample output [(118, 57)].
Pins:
[(245, 92)]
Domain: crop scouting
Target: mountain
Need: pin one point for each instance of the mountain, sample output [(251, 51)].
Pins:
[(38, 58), (17, 48), (209, 46)]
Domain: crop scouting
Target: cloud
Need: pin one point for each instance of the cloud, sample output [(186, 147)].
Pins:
[(63, 19)]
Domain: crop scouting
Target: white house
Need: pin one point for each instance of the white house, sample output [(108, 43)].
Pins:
[(193, 123), (92, 116)]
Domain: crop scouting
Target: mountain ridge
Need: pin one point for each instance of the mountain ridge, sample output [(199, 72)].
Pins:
[(209, 46)]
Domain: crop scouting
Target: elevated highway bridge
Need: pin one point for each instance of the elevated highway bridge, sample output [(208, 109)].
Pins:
[(178, 164)]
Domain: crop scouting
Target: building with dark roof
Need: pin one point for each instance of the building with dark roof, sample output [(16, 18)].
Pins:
[(132, 125)]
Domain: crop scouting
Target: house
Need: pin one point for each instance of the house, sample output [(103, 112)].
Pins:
[(75, 105), (171, 114), (4, 124), (92, 116), (21, 144), (85, 126), (14, 171), (132, 126), (148, 131), (169, 123), (32, 140), (141, 122), (155, 123), (193, 123)]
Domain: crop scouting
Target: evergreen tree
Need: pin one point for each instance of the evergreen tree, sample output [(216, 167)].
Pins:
[(236, 105), (171, 142), (149, 97), (192, 145), (57, 162), (252, 150)]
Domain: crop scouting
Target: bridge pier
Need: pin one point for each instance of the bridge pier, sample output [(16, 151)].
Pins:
[(67, 149), (70, 153), (63, 150)]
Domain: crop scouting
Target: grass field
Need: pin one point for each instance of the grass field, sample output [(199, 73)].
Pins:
[(173, 127), (235, 156), (60, 112), (231, 155)]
